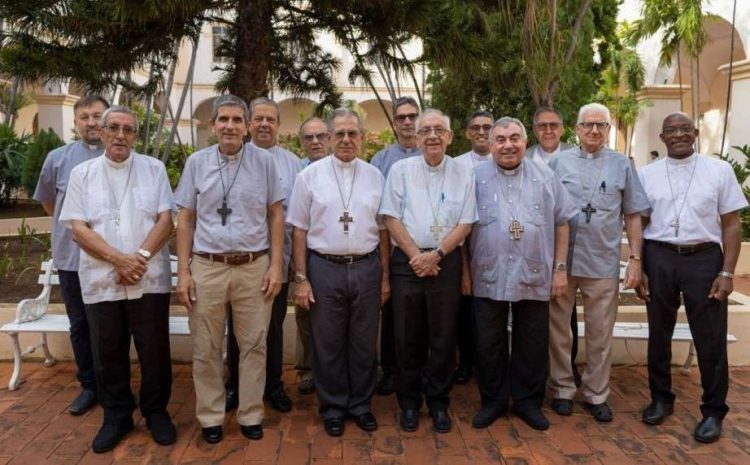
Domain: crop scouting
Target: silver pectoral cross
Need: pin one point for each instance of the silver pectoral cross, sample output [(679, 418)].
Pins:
[(436, 229), (676, 225)]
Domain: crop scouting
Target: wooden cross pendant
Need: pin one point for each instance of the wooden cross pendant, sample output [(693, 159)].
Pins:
[(516, 229), (588, 210), (346, 219), (436, 229), (676, 225), (224, 212)]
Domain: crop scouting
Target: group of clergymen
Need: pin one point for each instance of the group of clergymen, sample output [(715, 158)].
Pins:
[(436, 251)]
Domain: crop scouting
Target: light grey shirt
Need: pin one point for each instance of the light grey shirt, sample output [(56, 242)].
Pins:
[(608, 181), (472, 159), (418, 194), (503, 268), (385, 159), (538, 154), (287, 166), (257, 187), (52, 187)]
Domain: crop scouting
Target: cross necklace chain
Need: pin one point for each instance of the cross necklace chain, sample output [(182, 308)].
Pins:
[(436, 228), (678, 212), (115, 204), (345, 218), (516, 227), (224, 211)]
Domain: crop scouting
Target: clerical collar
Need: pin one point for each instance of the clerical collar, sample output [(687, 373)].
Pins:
[(437, 168), (230, 158), (684, 161), (344, 164), (407, 149), (98, 146), (542, 150), (509, 172), (590, 155), (118, 165)]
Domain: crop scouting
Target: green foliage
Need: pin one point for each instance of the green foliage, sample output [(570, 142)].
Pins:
[(12, 149), (373, 142), (742, 172), (34, 156)]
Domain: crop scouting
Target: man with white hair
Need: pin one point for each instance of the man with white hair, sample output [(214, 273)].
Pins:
[(604, 186), (429, 207)]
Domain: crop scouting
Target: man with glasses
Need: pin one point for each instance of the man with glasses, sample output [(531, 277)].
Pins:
[(603, 186), (119, 207), (477, 132), (231, 213), (340, 250), (429, 207), (405, 113), (264, 129), (50, 191), (692, 241)]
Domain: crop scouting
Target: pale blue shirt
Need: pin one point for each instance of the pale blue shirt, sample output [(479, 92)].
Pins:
[(287, 167), (52, 187), (503, 268), (384, 159)]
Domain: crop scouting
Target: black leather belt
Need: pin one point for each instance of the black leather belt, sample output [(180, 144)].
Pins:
[(232, 258), (342, 259), (685, 249)]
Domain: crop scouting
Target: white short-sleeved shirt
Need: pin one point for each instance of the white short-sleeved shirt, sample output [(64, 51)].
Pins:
[(94, 189), (451, 194), (714, 191), (316, 206)]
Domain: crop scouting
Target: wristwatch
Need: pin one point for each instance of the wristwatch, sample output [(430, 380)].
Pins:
[(299, 278), (561, 266), (145, 254), (635, 257), (440, 252)]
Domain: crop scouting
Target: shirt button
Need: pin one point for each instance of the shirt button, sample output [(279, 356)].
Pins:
[(536, 270), (536, 206)]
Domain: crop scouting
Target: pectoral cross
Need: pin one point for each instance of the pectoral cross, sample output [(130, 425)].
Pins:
[(588, 210), (224, 212), (436, 229), (676, 225), (346, 219), (516, 229)]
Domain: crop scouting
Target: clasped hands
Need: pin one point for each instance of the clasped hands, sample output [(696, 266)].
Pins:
[(425, 264), (130, 268)]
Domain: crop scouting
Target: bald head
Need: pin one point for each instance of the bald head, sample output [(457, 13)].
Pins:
[(677, 116)]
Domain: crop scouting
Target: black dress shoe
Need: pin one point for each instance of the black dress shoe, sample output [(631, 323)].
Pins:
[(708, 430), (232, 400), (601, 412), (562, 407), (533, 417), (366, 421), (441, 421), (385, 386), (486, 416), (657, 412), (162, 429), (462, 375), (83, 403), (334, 426), (212, 434), (409, 420), (280, 401), (306, 387), (254, 432), (110, 435)]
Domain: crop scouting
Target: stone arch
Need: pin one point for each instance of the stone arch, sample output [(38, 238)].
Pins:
[(374, 118), (202, 116), (293, 112)]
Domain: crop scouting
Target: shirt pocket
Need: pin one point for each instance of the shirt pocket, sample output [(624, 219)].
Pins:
[(487, 213), (534, 272), (97, 204), (146, 200)]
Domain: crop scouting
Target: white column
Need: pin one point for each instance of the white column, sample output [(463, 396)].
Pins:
[(55, 109), (739, 106), (662, 100)]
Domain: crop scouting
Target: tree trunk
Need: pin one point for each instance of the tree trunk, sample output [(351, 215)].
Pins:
[(253, 49), (679, 77), (147, 117), (10, 115), (165, 102), (178, 114)]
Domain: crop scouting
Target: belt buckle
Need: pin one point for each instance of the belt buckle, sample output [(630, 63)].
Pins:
[(684, 249), (348, 259)]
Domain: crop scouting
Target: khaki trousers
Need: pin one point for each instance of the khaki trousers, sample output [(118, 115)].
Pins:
[(599, 312), (217, 284)]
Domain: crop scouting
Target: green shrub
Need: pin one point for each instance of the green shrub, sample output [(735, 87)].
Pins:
[(35, 153), (742, 172), (12, 148)]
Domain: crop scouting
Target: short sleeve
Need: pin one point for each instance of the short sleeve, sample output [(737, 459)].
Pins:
[(731, 197), (298, 214), (186, 195), (469, 213), (394, 192), (275, 191), (46, 189), (634, 198), (565, 210), (73, 208), (166, 199)]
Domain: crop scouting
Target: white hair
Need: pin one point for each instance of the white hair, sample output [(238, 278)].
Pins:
[(594, 108), (433, 111)]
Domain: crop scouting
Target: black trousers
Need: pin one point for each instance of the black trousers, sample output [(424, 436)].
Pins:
[(274, 345), (670, 274), (387, 341), (80, 334), (112, 324), (425, 315), (464, 335), (344, 330), (522, 373)]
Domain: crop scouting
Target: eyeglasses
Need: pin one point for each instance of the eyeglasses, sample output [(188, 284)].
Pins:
[(674, 130), (548, 126), (115, 129), (402, 118), (478, 127), (350, 134), (323, 136), (589, 125), (437, 130)]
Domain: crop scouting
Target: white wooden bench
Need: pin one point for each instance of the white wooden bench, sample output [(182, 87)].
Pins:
[(32, 317)]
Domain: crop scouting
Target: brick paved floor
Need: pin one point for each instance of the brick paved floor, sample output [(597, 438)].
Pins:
[(36, 429)]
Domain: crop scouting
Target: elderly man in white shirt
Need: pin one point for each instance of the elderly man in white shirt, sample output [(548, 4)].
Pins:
[(119, 206), (429, 207)]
